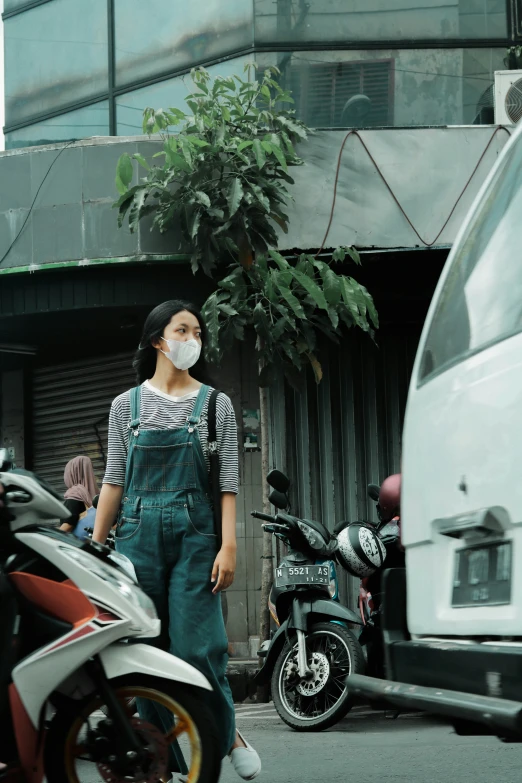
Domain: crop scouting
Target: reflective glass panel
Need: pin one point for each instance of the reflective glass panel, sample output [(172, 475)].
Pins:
[(170, 93), (480, 303), (157, 36), (378, 20), (79, 124), (55, 54), (391, 87)]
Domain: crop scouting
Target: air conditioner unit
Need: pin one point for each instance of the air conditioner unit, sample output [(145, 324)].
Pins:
[(508, 97)]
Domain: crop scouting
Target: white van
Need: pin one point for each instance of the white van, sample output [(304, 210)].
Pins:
[(459, 642)]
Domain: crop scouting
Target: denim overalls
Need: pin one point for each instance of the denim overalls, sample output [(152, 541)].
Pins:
[(166, 528)]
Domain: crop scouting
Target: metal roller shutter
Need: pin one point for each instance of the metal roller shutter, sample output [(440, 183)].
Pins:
[(71, 404)]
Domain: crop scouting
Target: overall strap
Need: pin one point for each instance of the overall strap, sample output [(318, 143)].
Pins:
[(195, 417), (135, 398), (134, 430)]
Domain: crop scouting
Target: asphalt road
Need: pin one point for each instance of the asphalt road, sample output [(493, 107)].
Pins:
[(368, 748)]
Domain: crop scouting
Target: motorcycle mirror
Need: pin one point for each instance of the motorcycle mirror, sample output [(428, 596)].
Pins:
[(374, 492), (95, 501), (278, 481), (278, 499)]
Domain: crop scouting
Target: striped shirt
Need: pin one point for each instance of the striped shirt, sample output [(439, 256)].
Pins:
[(160, 411)]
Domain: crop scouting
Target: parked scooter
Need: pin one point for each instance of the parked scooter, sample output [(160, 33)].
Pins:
[(313, 650), (67, 612), (390, 555)]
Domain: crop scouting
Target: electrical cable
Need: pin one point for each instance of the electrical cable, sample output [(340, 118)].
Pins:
[(69, 144), (392, 194)]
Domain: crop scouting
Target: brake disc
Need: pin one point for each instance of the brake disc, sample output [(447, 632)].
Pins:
[(320, 668), (157, 749)]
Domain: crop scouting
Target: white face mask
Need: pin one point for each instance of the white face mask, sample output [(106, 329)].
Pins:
[(183, 355)]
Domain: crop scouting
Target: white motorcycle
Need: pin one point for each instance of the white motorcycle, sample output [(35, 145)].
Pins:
[(70, 611)]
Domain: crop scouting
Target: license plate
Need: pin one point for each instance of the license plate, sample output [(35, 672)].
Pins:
[(483, 575), (302, 575)]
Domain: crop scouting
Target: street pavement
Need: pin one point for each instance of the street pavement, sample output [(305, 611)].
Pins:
[(367, 747)]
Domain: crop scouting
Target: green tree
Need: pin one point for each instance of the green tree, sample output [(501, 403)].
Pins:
[(224, 172)]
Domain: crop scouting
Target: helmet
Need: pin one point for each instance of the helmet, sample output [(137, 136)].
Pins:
[(360, 550), (390, 497)]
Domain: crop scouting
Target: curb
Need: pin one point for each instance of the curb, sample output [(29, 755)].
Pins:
[(240, 675)]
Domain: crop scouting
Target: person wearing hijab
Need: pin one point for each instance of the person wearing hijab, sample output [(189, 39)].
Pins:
[(81, 486)]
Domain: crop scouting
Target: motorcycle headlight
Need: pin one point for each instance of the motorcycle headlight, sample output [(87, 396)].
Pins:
[(314, 540), (124, 584)]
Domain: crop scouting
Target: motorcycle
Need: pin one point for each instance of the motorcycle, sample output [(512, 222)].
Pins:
[(370, 591), (313, 650), (71, 620)]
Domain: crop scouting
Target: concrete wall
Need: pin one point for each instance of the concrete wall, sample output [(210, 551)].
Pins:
[(73, 190)]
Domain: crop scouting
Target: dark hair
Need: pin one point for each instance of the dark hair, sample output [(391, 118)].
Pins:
[(144, 363)]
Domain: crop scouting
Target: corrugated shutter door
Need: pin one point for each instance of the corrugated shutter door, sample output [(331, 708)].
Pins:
[(71, 404)]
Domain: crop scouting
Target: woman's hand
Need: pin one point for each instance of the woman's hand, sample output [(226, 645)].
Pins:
[(224, 568)]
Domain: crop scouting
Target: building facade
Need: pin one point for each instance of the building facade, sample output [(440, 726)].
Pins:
[(414, 77)]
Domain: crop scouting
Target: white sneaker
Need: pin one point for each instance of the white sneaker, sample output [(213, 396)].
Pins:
[(246, 761)]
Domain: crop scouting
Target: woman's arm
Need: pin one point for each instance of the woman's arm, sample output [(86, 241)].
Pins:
[(112, 489), (76, 507), (107, 511), (225, 562)]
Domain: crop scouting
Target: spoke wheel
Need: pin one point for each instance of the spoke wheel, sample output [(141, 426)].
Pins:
[(81, 748), (315, 704)]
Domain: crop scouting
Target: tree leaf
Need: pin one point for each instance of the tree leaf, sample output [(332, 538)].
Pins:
[(124, 172), (138, 202), (261, 197), (262, 324), (244, 145), (312, 288), (196, 221), (278, 152), (280, 222), (234, 196), (259, 153), (331, 283), (202, 198), (292, 301), (354, 255), (227, 309), (278, 329), (316, 367), (141, 160)]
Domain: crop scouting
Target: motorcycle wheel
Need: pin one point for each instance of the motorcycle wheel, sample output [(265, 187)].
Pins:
[(333, 653), (72, 746)]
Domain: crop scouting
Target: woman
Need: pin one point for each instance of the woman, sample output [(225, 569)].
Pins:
[(158, 459), (81, 486)]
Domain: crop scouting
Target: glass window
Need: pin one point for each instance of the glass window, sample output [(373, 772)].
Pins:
[(55, 54), (378, 20), (480, 303), (166, 94), (390, 87), (79, 124), (155, 37)]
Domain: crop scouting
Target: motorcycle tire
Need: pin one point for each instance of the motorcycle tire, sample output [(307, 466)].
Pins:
[(335, 634), (61, 760)]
